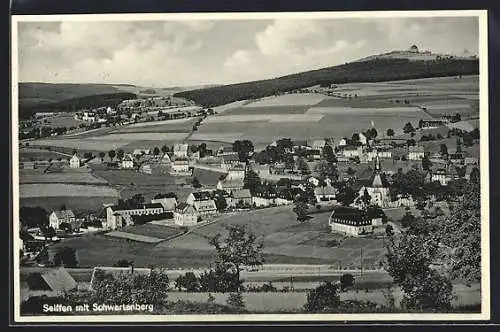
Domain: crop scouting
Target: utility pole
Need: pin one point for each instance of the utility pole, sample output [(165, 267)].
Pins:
[(361, 261)]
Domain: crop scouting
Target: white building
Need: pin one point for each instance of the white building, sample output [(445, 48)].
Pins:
[(128, 162), (353, 222), (56, 218), (185, 215), (351, 152), (314, 181), (325, 194), (343, 142), (416, 152), (180, 167), (117, 217), (74, 161), (362, 139), (180, 150)]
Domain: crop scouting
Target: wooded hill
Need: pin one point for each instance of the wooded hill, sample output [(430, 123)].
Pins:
[(376, 70)]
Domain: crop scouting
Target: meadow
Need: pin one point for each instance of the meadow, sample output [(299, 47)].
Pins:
[(37, 176), (166, 126), (60, 189), (75, 203), (29, 154)]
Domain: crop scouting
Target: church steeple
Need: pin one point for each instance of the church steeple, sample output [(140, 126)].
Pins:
[(377, 163)]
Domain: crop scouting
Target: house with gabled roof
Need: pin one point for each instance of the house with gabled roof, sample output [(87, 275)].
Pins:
[(56, 218), (239, 197), (127, 161), (185, 215), (181, 150), (201, 195), (74, 162), (54, 280), (206, 207), (325, 194)]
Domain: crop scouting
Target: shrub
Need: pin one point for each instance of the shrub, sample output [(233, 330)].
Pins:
[(346, 281), (236, 302), (188, 281), (324, 298)]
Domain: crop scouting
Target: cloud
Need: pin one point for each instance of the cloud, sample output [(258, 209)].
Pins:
[(164, 53)]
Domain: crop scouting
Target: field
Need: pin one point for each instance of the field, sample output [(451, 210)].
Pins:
[(134, 237), (28, 154), (284, 236), (37, 176), (59, 189), (75, 203), (167, 126)]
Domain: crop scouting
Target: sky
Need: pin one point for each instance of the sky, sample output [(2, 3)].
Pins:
[(196, 52)]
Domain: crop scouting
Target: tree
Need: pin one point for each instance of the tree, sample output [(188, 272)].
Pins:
[(443, 149), (300, 210), (196, 183), (351, 171), (63, 207), (235, 301), (329, 154), (346, 195), (156, 151), (88, 155), (66, 256), (323, 298), (366, 198), (289, 161), (408, 128), (164, 149), (149, 289), (252, 182), (409, 262), (123, 263), (389, 230), (346, 281), (111, 154), (120, 153), (475, 176), (390, 132), (459, 145), (244, 148), (302, 166), (101, 155), (426, 163), (467, 139), (220, 203), (326, 169), (240, 248), (188, 281)]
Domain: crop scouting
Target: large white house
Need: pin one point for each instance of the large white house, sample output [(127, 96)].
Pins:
[(185, 215), (56, 218), (180, 166), (206, 207), (353, 222), (74, 162)]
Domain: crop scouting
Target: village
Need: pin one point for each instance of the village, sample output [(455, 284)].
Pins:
[(315, 175)]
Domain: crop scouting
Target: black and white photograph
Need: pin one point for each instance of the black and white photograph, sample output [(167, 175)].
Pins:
[(269, 166)]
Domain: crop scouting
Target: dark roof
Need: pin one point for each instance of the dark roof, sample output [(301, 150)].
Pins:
[(378, 180), (153, 205), (349, 214), (230, 158), (58, 280), (202, 195)]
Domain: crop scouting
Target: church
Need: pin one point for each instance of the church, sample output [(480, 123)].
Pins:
[(377, 187)]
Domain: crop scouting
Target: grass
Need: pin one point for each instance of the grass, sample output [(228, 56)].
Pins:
[(75, 203), (37, 176), (134, 237), (162, 232), (60, 189), (28, 154)]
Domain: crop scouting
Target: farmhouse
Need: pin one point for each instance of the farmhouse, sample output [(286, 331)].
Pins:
[(229, 184), (127, 162), (377, 187), (168, 203), (343, 141), (353, 221), (318, 144), (185, 215), (198, 196), (351, 152), (206, 207), (236, 172), (56, 218), (180, 167), (416, 152), (74, 161), (325, 194), (240, 197), (230, 160), (180, 150)]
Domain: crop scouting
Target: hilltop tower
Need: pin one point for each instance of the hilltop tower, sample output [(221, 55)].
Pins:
[(413, 49)]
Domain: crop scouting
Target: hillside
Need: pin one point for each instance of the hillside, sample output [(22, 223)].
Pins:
[(374, 70)]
